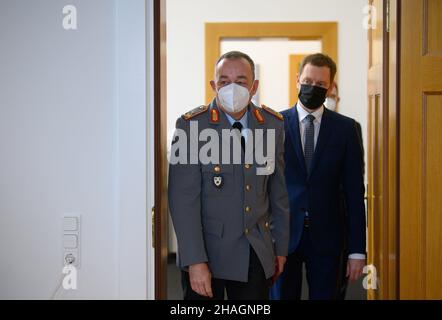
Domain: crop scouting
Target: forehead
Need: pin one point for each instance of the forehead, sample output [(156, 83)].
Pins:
[(316, 73), (238, 66)]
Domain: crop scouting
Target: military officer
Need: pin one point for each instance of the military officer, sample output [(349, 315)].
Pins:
[(231, 219)]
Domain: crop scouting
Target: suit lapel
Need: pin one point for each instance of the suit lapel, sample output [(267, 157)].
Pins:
[(324, 136), (295, 135)]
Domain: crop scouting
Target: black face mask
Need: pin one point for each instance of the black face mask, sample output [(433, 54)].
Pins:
[(312, 97)]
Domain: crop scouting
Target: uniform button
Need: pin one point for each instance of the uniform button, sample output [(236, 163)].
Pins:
[(247, 166), (248, 187), (217, 169), (267, 224), (248, 209), (246, 231)]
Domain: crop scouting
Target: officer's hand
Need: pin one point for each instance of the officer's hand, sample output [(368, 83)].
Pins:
[(355, 268), (279, 267), (201, 279)]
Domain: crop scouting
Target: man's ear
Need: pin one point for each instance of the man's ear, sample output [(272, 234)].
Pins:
[(254, 88), (298, 84), (330, 89), (213, 85)]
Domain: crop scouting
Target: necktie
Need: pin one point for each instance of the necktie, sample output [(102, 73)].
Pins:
[(238, 125), (309, 143)]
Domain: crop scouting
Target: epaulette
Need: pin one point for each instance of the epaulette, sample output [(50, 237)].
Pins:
[(193, 113), (273, 112)]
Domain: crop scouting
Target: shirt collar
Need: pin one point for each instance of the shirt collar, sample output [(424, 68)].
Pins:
[(302, 113), (243, 120)]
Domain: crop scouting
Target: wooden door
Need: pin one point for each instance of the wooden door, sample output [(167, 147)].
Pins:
[(382, 146), (376, 146), (421, 150)]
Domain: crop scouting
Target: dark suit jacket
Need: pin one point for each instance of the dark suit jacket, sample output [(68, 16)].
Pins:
[(337, 166)]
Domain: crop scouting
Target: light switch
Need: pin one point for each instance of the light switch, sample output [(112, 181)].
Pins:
[(70, 224), (70, 241)]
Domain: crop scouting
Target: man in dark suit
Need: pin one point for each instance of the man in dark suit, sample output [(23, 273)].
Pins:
[(332, 103), (322, 153)]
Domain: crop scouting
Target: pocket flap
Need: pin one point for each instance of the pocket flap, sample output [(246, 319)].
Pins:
[(214, 227)]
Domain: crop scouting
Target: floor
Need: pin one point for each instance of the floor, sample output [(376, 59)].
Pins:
[(355, 290)]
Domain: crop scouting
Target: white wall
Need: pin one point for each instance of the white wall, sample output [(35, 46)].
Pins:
[(135, 182), (185, 25), (73, 140)]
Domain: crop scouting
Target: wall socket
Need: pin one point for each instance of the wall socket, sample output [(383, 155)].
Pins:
[(71, 257)]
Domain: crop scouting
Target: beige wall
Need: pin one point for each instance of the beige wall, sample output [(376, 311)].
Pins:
[(185, 32)]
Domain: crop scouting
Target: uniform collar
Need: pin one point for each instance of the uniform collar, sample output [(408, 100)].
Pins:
[(243, 120)]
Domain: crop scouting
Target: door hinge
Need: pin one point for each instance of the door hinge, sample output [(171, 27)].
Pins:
[(387, 17), (153, 227)]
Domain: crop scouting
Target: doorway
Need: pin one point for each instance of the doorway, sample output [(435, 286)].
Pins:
[(191, 57)]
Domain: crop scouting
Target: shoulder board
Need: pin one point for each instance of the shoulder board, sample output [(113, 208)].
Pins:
[(193, 113), (258, 116), (272, 112)]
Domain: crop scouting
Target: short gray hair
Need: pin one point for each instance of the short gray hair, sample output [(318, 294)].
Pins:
[(235, 55)]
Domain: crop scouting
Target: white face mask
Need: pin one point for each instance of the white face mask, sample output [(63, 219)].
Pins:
[(330, 104), (233, 97)]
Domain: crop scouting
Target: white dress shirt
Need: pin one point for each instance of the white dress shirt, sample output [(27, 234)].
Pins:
[(302, 114), (244, 121)]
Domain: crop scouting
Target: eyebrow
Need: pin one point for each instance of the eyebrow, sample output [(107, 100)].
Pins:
[(310, 79), (239, 77)]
